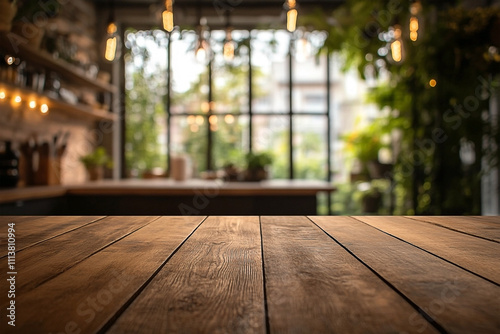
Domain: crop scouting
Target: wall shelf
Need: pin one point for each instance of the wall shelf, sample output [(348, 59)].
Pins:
[(20, 47), (80, 111)]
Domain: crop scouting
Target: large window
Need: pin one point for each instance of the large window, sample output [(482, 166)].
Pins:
[(271, 97)]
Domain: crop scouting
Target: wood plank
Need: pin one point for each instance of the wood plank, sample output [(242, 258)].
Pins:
[(470, 225), (32, 230), (44, 261), (457, 300), (213, 284), (477, 255), (314, 286), (490, 219), (85, 297)]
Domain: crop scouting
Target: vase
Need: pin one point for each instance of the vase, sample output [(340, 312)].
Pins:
[(9, 167), (8, 10), (96, 173)]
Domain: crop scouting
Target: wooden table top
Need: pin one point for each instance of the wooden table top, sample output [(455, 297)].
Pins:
[(252, 274)]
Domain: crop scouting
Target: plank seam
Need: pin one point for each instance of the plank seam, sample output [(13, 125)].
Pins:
[(136, 294), (421, 220), (266, 310), (424, 314), (93, 253), (57, 235), (429, 252)]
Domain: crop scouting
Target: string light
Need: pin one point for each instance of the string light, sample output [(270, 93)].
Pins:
[(17, 101), (432, 82), (32, 104), (168, 16), (2, 95), (229, 119)]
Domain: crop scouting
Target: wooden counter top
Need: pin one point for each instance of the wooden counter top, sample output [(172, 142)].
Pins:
[(170, 187), (251, 274)]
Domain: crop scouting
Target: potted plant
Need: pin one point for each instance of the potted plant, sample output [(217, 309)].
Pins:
[(31, 18), (8, 9), (258, 166), (95, 162)]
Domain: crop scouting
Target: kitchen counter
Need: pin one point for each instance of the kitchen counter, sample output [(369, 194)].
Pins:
[(165, 196)]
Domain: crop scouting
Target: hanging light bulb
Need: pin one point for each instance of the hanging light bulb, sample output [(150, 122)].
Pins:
[(228, 50), (291, 16), (168, 16), (113, 46), (415, 9), (397, 51), (202, 49)]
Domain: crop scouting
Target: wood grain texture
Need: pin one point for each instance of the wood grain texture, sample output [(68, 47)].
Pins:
[(478, 226), (457, 300), (314, 286), (33, 230), (477, 255), (88, 295), (213, 284), (46, 260)]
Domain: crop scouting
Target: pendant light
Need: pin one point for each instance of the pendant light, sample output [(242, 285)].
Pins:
[(168, 16), (415, 24), (291, 15), (228, 50), (202, 48), (113, 42)]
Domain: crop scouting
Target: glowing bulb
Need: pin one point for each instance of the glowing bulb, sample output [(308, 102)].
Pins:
[(201, 54), (213, 119), (291, 20), (32, 104), (17, 99), (413, 28), (10, 60), (112, 28), (199, 120), (396, 51), (194, 127), (2, 95), (44, 108), (168, 20), (228, 50), (433, 83), (229, 119), (110, 52), (191, 119), (205, 107)]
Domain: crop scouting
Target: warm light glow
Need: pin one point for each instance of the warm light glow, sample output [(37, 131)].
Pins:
[(229, 119), (168, 20), (228, 50), (10, 60), (291, 20), (32, 104), (112, 28), (44, 108), (191, 119), (201, 54), (110, 52), (396, 50), (17, 99), (213, 127), (432, 83), (194, 128), (205, 107), (2, 95), (413, 24), (413, 28), (200, 120), (213, 119)]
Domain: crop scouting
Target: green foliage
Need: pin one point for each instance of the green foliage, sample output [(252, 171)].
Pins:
[(258, 160), (98, 157), (457, 47), (145, 114)]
